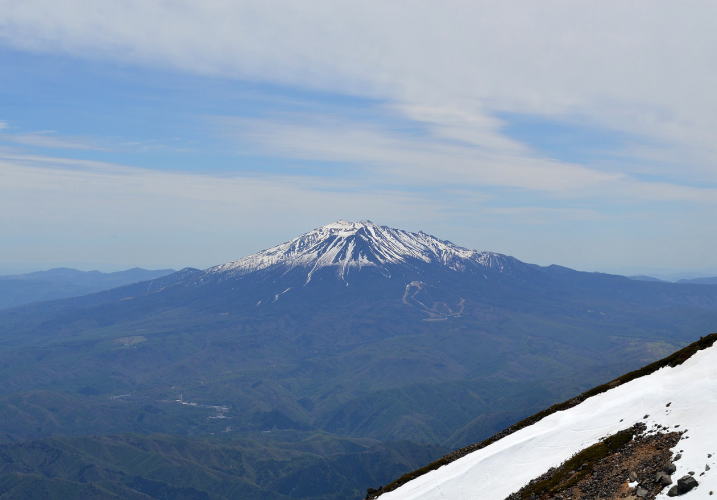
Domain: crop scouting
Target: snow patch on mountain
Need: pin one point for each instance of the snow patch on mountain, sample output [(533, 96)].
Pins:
[(682, 398), (346, 245)]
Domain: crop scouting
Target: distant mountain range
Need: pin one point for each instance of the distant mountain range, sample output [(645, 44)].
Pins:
[(350, 331), (60, 283), (648, 434), (700, 281), (684, 281), (642, 277)]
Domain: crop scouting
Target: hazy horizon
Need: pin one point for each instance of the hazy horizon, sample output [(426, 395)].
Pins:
[(668, 274), (551, 132)]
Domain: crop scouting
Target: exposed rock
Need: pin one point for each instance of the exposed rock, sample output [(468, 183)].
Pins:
[(687, 483), (670, 468), (684, 484), (663, 479)]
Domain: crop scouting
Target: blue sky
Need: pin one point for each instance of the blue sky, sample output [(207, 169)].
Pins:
[(553, 134)]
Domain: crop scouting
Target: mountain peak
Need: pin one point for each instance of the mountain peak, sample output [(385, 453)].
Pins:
[(347, 225), (349, 245)]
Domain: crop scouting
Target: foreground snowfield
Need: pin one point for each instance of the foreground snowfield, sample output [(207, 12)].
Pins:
[(507, 465)]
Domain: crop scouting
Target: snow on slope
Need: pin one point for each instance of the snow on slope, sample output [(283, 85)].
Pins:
[(345, 245), (508, 464)]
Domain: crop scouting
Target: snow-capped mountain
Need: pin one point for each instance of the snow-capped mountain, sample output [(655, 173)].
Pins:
[(347, 245), (414, 273), (656, 427)]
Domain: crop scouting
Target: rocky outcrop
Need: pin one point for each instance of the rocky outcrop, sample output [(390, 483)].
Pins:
[(631, 464)]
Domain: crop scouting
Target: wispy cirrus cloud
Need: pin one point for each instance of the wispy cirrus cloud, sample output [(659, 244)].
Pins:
[(67, 198), (642, 68), (181, 218), (46, 139), (431, 159), (49, 140), (412, 159)]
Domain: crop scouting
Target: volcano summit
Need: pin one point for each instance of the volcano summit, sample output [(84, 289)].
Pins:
[(355, 245)]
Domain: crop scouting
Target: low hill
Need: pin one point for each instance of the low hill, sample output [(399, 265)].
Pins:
[(699, 281), (315, 467), (60, 283)]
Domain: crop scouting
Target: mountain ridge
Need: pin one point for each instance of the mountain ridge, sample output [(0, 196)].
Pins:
[(63, 282), (710, 280), (675, 359)]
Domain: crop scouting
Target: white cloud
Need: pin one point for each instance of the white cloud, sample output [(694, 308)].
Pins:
[(60, 210), (413, 159), (545, 215), (644, 67), (45, 139), (48, 140), (80, 208), (416, 161)]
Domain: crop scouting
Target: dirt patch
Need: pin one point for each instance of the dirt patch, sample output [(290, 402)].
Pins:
[(629, 464)]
